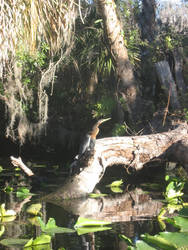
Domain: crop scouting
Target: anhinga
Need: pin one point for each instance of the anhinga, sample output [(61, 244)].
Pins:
[(87, 144), (90, 138)]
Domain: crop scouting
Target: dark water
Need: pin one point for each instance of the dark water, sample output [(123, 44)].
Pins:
[(131, 212)]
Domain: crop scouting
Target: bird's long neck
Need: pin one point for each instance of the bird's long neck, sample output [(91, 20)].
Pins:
[(94, 132)]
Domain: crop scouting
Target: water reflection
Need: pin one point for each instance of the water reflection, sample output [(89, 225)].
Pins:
[(132, 213)]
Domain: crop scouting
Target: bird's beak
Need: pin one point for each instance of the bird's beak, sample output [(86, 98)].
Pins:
[(104, 120)]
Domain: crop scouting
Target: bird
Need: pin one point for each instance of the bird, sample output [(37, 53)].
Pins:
[(87, 144), (89, 140)]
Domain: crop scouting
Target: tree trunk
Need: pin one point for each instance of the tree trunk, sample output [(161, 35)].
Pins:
[(178, 60), (133, 151), (148, 19), (114, 33), (167, 83)]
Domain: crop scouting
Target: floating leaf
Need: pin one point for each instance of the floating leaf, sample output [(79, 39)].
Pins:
[(34, 209), (159, 241), (84, 222), (115, 183), (141, 245), (6, 215), (51, 228), (12, 242), (181, 222), (85, 230), (179, 239), (115, 189), (8, 218), (23, 193), (29, 243), (42, 239), (93, 195), (2, 230), (126, 239)]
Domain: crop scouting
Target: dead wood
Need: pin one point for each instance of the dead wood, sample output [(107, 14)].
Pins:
[(167, 83), (132, 151), (19, 163)]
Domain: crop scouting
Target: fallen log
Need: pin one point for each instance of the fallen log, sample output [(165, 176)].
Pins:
[(132, 151)]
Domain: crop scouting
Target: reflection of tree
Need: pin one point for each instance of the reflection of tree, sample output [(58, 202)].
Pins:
[(133, 209), (130, 206)]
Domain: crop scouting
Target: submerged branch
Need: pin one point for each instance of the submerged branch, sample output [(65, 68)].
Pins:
[(19, 163)]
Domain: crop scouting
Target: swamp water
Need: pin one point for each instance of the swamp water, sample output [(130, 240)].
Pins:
[(131, 209)]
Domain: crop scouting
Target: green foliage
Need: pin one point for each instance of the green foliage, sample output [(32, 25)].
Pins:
[(84, 225), (32, 64), (34, 209), (51, 228), (173, 191), (23, 192), (119, 129), (103, 107), (116, 183), (43, 239), (167, 240)]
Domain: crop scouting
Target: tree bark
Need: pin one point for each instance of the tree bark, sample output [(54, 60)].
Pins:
[(178, 61), (133, 151), (148, 19), (125, 74), (167, 83)]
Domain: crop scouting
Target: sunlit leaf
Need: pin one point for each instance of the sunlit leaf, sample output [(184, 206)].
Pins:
[(181, 222), (34, 209), (85, 230), (1, 169), (84, 222), (158, 241), (2, 230), (23, 193), (179, 239), (2, 209), (8, 218), (42, 239), (116, 189), (57, 230), (162, 225), (8, 189), (126, 239), (93, 195), (115, 183), (12, 242), (29, 243), (51, 228), (6, 215), (41, 223), (141, 245)]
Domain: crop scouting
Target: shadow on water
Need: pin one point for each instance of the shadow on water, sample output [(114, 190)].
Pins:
[(132, 211)]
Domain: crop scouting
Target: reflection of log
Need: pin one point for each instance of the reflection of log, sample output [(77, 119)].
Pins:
[(133, 151), (130, 206), (167, 82)]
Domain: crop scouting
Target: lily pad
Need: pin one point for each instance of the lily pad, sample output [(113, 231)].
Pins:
[(13, 242), (84, 222), (85, 230), (34, 209)]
